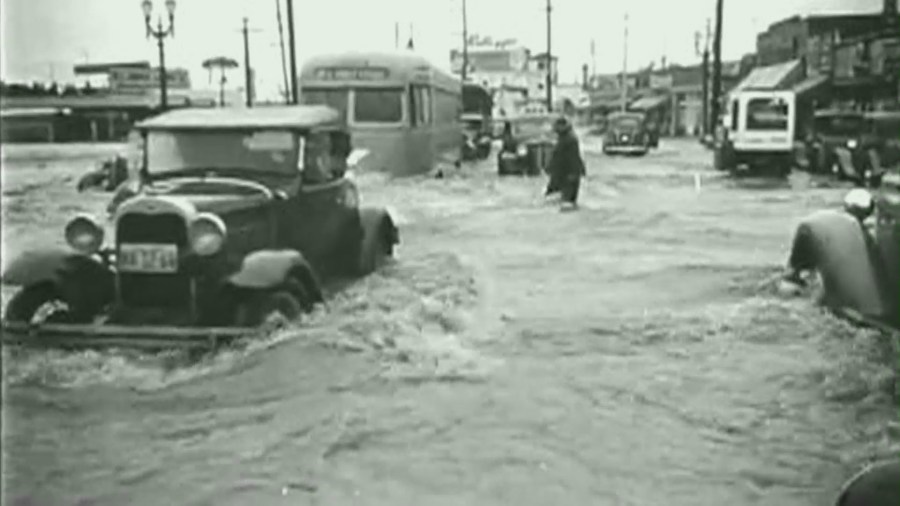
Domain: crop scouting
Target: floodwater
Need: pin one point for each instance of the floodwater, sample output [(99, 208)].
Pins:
[(633, 353)]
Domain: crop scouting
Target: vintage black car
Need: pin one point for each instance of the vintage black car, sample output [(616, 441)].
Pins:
[(627, 132), (239, 216), (874, 150), (527, 145), (856, 252), (831, 129), (477, 133)]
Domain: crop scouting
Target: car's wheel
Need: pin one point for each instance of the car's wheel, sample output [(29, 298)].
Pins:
[(269, 307), (41, 304)]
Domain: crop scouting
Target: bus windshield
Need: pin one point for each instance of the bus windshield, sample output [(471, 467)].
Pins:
[(767, 114), (378, 105), (336, 98)]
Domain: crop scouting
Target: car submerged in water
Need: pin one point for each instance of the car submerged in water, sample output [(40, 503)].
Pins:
[(627, 133), (237, 217), (527, 145), (856, 254)]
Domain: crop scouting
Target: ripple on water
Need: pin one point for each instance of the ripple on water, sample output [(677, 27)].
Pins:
[(415, 314)]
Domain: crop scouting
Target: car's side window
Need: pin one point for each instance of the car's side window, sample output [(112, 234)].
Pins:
[(318, 164)]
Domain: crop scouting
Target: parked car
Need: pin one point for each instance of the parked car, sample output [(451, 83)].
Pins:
[(874, 150), (477, 133), (856, 253), (239, 216), (528, 148), (626, 132), (831, 129)]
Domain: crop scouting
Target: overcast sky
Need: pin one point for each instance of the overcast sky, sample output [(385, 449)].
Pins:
[(46, 37)]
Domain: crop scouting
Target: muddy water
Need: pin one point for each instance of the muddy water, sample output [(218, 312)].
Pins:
[(634, 352)]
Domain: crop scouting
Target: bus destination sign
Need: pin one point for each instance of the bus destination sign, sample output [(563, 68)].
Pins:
[(351, 73)]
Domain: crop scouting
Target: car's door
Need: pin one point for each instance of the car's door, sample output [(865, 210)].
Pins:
[(888, 230), (315, 215)]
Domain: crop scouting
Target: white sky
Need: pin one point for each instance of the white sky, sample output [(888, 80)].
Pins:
[(44, 37)]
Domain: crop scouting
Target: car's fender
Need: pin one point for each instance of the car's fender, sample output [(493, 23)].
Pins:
[(837, 245), (81, 280), (270, 268), (846, 163), (374, 220)]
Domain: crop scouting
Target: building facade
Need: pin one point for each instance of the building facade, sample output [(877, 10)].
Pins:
[(506, 65)]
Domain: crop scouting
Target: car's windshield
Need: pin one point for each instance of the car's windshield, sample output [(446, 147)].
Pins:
[(887, 129), (839, 125), (264, 152), (625, 122), (473, 124)]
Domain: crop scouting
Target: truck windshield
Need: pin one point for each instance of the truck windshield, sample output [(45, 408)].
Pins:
[(840, 125), (767, 114), (265, 151)]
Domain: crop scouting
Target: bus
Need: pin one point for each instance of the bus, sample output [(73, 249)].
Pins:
[(399, 107)]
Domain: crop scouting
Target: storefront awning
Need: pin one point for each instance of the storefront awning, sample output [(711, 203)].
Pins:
[(648, 103), (42, 112), (810, 85)]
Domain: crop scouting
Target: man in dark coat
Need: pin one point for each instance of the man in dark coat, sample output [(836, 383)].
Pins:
[(566, 166)]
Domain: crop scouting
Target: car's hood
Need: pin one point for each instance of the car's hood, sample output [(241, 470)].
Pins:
[(187, 204)]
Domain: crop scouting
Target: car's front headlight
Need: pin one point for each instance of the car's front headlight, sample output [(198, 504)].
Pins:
[(522, 150), (84, 234), (207, 234), (852, 144)]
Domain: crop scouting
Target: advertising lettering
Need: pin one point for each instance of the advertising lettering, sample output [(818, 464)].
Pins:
[(351, 73)]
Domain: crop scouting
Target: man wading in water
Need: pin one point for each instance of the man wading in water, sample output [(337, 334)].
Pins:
[(566, 166)]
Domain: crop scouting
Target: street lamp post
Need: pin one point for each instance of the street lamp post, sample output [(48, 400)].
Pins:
[(160, 34)]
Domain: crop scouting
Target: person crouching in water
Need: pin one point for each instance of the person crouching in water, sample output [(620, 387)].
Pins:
[(566, 166)]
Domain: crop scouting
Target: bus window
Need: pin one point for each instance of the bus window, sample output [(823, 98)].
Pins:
[(413, 110), (425, 101), (378, 105), (767, 114), (335, 98)]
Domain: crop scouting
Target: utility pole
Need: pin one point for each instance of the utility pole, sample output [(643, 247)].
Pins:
[(465, 46), (593, 58), (396, 35), (717, 68), (284, 72), (625, 67), (705, 125), (549, 61), (295, 91), (249, 88)]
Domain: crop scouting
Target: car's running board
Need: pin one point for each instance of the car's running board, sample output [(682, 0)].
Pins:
[(119, 336), (868, 321)]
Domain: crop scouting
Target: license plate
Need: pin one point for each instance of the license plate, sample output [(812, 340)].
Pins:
[(508, 156), (157, 258)]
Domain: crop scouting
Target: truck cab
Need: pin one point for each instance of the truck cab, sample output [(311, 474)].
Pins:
[(758, 132)]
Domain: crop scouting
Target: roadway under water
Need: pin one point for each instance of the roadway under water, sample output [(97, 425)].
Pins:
[(632, 353)]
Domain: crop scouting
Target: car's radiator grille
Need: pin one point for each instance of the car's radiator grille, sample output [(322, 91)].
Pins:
[(154, 290)]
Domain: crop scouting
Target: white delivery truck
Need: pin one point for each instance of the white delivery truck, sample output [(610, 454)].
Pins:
[(757, 134)]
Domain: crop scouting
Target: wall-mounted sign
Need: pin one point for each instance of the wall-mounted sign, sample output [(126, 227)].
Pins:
[(351, 73)]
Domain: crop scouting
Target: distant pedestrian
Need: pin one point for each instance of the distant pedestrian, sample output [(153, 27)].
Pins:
[(566, 166)]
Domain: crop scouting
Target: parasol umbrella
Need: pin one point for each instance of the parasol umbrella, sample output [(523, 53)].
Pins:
[(222, 63)]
